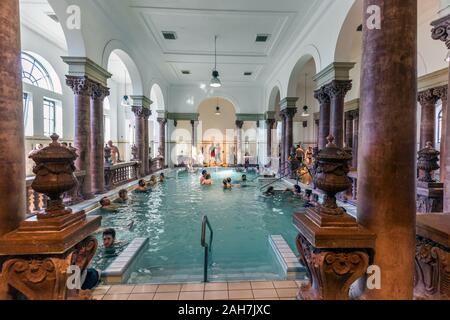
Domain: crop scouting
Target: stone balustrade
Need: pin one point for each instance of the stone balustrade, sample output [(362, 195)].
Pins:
[(121, 173), (38, 201)]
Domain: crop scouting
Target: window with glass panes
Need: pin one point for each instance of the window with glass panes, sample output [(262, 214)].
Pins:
[(49, 117)]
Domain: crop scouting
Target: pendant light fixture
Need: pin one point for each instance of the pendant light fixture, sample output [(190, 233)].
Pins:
[(215, 81), (126, 99), (218, 113), (305, 113)]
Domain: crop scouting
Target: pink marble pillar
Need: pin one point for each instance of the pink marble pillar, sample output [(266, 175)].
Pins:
[(12, 148), (283, 142), (270, 127), (324, 123), (337, 90), (139, 112), (82, 89), (441, 93), (386, 175), (355, 140), (349, 130), (146, 164), (239, 126), (427, 101), (289, 139), (441, 31), (99, 93), (162, 138)]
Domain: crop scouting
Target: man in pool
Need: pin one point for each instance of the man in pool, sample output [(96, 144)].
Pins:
[(107, 205), (123, 197), (142, 187), (109, 238), (226, 185), (162, 177), (153, 181)]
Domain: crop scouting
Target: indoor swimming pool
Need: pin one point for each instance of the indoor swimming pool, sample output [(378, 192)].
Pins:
[(171, 218)]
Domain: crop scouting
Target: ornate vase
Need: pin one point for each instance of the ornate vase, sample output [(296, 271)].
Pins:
[(54, 171), (428, 162), (331, 169)]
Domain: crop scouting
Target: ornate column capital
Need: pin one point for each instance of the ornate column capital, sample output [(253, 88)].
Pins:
[(99, 92), (80, 85), (441, 30), (147, 113), (348, 116), (162, 121), (289, 113), (239, 124), (338, 88), (322, 96), (138, 111), (441, 92), (427, 97), (270, 123)]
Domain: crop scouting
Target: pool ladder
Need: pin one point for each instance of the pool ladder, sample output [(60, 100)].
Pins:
[(207, 246)]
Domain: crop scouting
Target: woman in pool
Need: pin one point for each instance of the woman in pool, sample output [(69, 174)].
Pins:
[(153, 181), (208, 181)]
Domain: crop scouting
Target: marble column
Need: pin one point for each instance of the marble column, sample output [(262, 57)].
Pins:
[(162, 138), (239, 125), (139, 113), (146, 164), (324, 122), (387, 178), (349, 130), (282, 142), (98, 95), (441, 93), (12, 145), (82, 89), (427, 101), (355, 140), (337, 90), (441, 31), (289, 140), (317, 130), (270, 127)]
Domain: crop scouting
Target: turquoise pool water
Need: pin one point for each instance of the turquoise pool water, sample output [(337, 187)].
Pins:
[(171, 216)]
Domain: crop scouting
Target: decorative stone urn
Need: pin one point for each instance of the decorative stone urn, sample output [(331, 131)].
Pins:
[(54, 171), (331, 169), (428, 162)]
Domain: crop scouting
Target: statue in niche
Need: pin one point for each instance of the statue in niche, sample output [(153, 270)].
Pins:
[(218, 154)]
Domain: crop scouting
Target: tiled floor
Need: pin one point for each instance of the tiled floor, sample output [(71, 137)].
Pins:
[(258, 290)]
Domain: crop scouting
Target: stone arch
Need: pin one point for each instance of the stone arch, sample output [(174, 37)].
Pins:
[(157, 97), (274, 98), (121, 50), (296, 73), (74, 37), (348, 34)]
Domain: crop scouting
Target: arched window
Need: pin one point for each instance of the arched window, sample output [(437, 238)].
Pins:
[(34, 73)]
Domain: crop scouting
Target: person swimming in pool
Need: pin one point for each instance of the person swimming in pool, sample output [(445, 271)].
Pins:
[(153, 181), (226, 185), (203, 177), (208, 180), (270, 192), (107, 205), (162, 177), (123, 197), (142, 187)]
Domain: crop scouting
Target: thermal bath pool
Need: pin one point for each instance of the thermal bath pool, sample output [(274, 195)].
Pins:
[(171, 216)]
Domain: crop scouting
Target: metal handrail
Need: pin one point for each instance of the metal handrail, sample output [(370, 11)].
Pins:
[(208, 247)]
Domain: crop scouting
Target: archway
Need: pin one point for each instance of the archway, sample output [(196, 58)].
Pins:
[(157, 97), (302, 85), (122, 87), (217, 145)]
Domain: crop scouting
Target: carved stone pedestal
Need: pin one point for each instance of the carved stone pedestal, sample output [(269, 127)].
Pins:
[(333, 247), (432, 276), (35, 258), (430, 197)]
